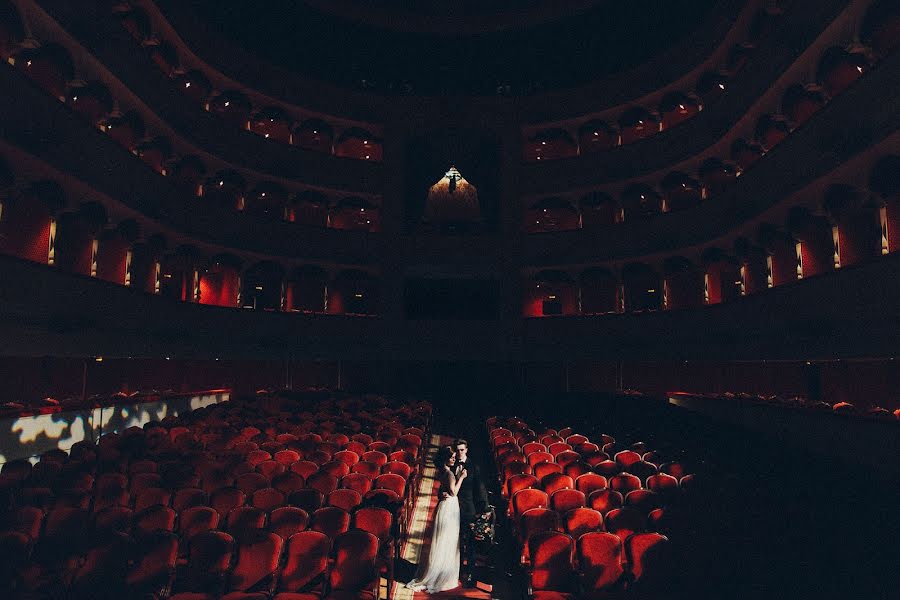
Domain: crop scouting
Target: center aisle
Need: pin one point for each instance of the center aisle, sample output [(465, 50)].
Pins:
[(418, 538)]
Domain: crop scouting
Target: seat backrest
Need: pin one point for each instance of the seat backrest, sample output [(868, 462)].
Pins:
[(258, 554), (307, 560), (335, 468), (625, 521), (245, 519), (154, 564), (188, 497), (224, 500), (564, 500), (195, 520), (391, 481), (539, 457), (250, 482), (288, 520), (267, 499), (527, 499), (599, 557), (354, 568), (542, 469), (589, 482), (577, 468), (348, 457), (330, 520), (648, 558), (367, 468), (270, 468), (358, 482), (642, 500), (579, 521), (211, 551), (345, 499), (154, 518), (552, 482), (605, 500), (377, 521), (323, 482), (150, 496), (304, 468), (551, 561), (397, 467), (537, 520), (624, 483)]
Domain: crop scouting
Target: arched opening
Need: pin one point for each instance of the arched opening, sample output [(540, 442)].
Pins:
[(838, 69), (550, 144), (126, 130), (309, 207), (49, 66), (599, 209), (640, 202), (753, 266), (451, 205), (225, 189), (711, 86), (188, 174), (354, 292), (857, 229), (314, 134), (637, 123), (263, 286), (885, 182), (551, 214), (716, 176), (267, 201), (723, 280), (356, 214), (273, 123), (770, 130), (195, 85), (233, 106), (800, 102), (683, 284), (676, 107), (358, 143), (745, 153), (307, 289), (155, 153), (220, 283), (75, 236), (815, 242), (642, 288), (180, 274), (27, 225), (113, 250), (680, 192), (145, 273), (550, 293), (597, 136), (599, 291), (782, 263), (92, 100)]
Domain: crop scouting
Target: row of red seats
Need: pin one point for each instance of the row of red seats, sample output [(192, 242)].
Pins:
[(184, 478), (562, 489)]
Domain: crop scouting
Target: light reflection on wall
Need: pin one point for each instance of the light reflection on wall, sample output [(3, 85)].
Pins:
[(31, 436)]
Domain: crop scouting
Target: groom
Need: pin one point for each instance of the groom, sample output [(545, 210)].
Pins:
[(473, 500)]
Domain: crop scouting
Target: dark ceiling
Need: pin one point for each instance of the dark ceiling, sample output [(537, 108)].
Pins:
[(522, 45)]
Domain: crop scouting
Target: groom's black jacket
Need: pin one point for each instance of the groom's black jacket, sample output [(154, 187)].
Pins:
[(472, 495)]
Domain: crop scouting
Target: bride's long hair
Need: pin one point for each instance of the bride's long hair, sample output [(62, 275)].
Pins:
[(443, 456)]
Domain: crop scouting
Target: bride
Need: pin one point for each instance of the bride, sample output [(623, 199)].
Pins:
[(442, 568)]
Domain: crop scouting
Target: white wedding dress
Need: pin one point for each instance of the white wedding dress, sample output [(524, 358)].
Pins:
[(441, 571)]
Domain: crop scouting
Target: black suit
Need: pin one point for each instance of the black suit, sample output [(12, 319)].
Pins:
[(473, 500)]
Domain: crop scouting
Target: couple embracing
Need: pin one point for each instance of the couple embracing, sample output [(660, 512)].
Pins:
[(463, 498)]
